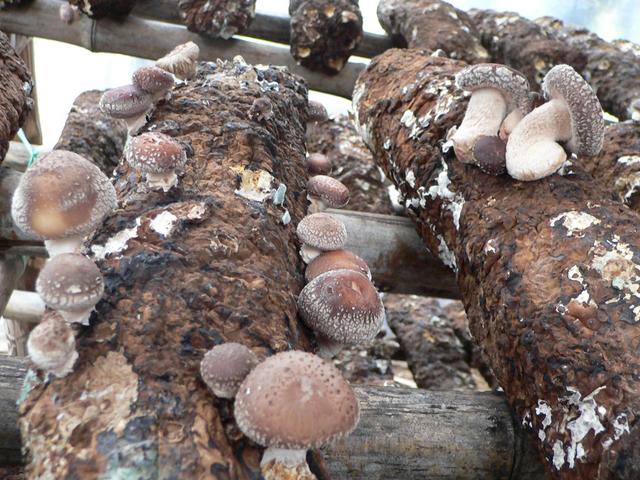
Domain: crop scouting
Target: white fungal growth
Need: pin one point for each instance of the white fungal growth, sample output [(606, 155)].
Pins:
[(629, 159), (558, 454), (411, 178), (286, 217), (362, 129), (117, 243), (575, 275), (586, 421), (453, 201), (544, 409), (574, 222), (446, 255), (163, 223), (620, 427), (255, 185), (490, 247)]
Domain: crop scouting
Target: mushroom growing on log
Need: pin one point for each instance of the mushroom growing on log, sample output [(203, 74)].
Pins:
[(102, 8), (548, 272), (217, 18), (15, 102), (209, 262), (324, 33)]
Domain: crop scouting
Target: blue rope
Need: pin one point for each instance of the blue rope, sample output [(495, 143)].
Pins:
[(33, 153)]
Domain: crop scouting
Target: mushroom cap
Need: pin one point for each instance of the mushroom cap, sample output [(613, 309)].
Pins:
[(336, 260), (513, 85), (331, 191), (319, 164), (152, 79), (181, 61), (587, 121), (125, 102), (489, 154), (225, 366), (155, 152), (62, 195), (52, 345), (317, 112), (70, 282), (322, 231), (295, 400), (343, 306)]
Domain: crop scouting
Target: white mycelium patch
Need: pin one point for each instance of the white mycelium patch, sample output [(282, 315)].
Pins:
[(574, 221), (543, 409), (630, 181), (117, 243), (362, 129), (558, 455), (453, 201), (411, 178), (446, 255), (575, 274), (163, 223), (629, 159), (490, 247), (620, 427)]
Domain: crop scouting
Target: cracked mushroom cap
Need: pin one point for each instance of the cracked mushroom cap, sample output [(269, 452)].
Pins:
[(152, 79), (343, 306), (125, 102), (52, 345), (295, 400), (155, 152), (62, 195), (336, 260), (182, 61), (70, 282), (587, 122), (513, 85), (322, 231), (331, 191), (224, 367)]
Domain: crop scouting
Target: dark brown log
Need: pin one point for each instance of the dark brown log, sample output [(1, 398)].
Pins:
[(203, 264), (31, 126), (324, 33), (547, 270), (404, 434), (612, 72), (15, 102), (433, 25), (103, 8), (217, 18)]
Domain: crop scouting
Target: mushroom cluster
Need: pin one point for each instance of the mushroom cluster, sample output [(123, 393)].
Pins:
[(500, 131)]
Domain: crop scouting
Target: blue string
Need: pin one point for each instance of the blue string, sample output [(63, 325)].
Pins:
[(33, 153)]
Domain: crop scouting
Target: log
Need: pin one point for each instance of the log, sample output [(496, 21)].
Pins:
[(403, 433), (11, 268), (209, 261), (546, 270), (31, 126), (15, 103), (110, 35), (9, 180), (217, 18)]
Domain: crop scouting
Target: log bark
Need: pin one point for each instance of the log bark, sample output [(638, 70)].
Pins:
[(15, 103), (403, 433), (217, 18), (203, 264), (432, 25), (324, 33), (546, 270)]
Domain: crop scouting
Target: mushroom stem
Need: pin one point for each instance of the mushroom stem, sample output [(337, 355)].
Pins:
[(280, 464), (134, 124), (532, 151), (80, 316), (308, 253), (486, 110), (63, 245), (327, 348), (316, 205), (509, 123), (166, 181)]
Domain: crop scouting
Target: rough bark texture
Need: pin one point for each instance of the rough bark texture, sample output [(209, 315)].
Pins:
[(93, 134), (11, 268), (523, 45), (217, 18), (353, 165), (9, 180), (103, 8), (324, 33), (15, 103), (432, 24), (11, 376), (612, 72), (202, 264), (548, 270)]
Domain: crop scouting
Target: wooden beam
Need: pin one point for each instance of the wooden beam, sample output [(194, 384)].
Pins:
[(403, 433), (153, 39)]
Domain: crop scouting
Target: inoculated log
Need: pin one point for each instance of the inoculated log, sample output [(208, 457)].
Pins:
[(324, 33), (15, 103), (612, 72), (212, 260), (103, 8), (548, 270), (217, 18), (433, 25)]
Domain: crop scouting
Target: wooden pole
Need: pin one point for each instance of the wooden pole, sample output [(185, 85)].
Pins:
[(24, 307)]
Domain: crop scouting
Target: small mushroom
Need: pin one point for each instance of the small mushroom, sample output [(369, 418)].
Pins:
[(130, 103), (261, 110), (52, 345), (291, 402), (336, 260), (158, 156), (217, 18), (489, 154), (62, 198), (326, 192), (496, 91), (316, 112), (224, 367), (154, 81), (320, 232), (319, 164), (72, 285), (182, 61), (572, 115), (343, 308)]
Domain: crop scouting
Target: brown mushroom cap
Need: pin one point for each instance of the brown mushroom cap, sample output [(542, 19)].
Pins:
[(181, 61), (318, 164), (224, 367), (489, 154), (331, 191), (125, 102), (343, 306), (152, 79), (317, 112), (336, 260), (322, 231), (52, 345), (70, 282), (155, 152), (62, 195), (295, 400), (587, 121)]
